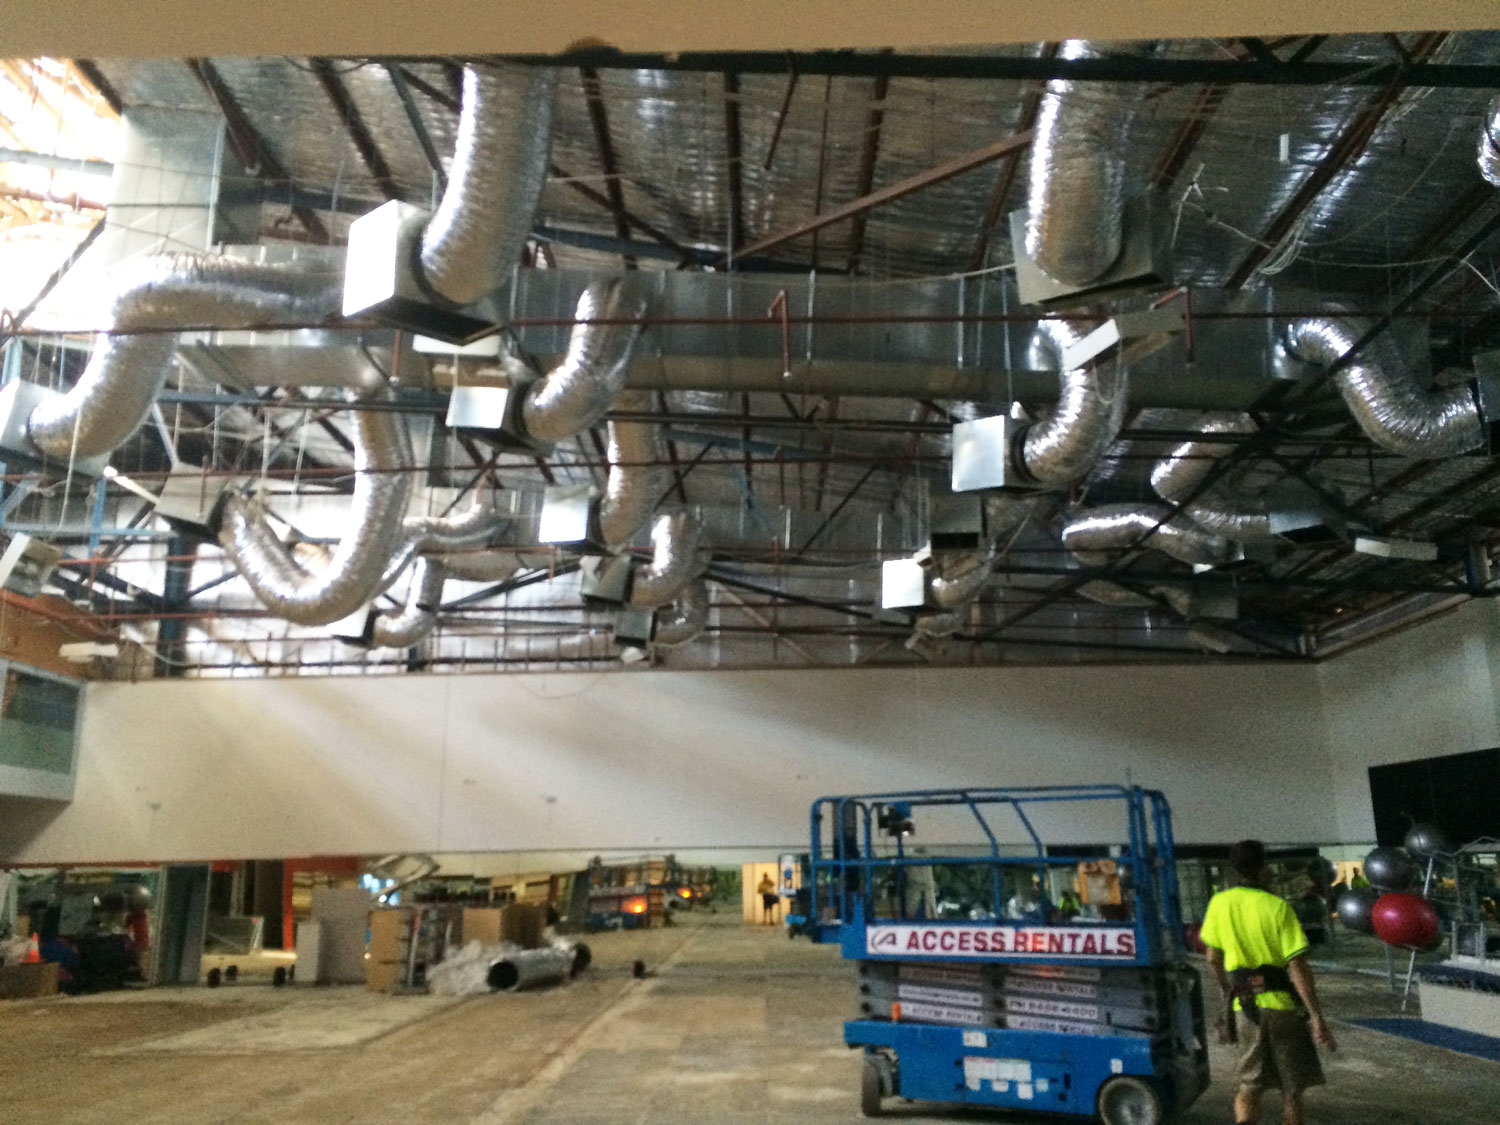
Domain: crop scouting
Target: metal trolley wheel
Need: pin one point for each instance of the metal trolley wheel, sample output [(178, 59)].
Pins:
[(1127, 1100)]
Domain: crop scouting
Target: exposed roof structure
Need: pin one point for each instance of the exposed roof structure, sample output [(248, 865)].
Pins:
[(823, 249)]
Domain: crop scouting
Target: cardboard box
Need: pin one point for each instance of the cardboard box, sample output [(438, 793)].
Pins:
[(520, 923), (382, 976), (22, 982), (388, 929)]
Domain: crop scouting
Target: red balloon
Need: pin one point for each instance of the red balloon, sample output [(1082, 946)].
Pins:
[(1405, 920)]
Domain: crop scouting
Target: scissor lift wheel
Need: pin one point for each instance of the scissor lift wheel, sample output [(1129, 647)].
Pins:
[(1127, 1100), (875, 1081)]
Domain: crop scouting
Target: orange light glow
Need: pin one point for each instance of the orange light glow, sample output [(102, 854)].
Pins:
[(636, 905), (685, 892)]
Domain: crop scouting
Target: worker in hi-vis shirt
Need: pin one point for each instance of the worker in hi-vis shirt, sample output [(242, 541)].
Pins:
[(1258, 954)]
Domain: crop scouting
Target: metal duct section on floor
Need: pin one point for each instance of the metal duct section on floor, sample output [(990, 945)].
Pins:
[(1093, 534), (685, 619), (529, 968), (1489, 144), (1177, 477), (354, 574), (165, 291), (417, 618), (500, 162), (637, 479), (579, 390), (1076, 194), (1380, 390), (675, 562), (1090, 410)]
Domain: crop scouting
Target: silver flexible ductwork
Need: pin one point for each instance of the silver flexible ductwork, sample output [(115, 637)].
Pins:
[(115, 393), (354, 574), (479, 566), (1087, 418), (1110, 593), (579, 390), (956, 580), (500, 162), (686, 618), (1092, 535), (431, 535), (1178, 476), (409, 625), (1076, 195), (1383, 395), (1489, 144), (675, 561), (637, 479)]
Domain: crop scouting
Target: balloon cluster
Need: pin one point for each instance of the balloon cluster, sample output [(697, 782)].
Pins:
[(1386, 908)]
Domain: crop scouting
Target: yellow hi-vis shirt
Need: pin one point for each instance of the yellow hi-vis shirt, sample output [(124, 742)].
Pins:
[(1253, 927)]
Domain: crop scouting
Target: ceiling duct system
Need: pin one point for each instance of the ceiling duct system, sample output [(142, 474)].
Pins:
[(1489, 144), (1382, 393), (355, 573), (1179, 480), (418, 617), (160, 294), (435, 274), (1093, 534)]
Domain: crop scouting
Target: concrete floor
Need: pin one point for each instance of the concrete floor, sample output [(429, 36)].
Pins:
[(734, 1025)]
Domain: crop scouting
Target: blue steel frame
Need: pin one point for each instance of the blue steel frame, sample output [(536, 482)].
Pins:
[(1065, 1071)]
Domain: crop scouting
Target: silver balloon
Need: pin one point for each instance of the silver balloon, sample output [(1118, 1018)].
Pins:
[(1354, 907), (1390, 869), (1426, 840)]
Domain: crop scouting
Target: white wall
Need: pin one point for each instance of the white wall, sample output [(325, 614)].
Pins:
[(1425, 691), (264, 768)]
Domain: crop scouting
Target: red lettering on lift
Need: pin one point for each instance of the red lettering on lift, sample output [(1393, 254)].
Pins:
[(1054, 943), (1073, 942), (911, 940), (1127, 944), (1090, 943), (947, 940), (965, 941), (929, 940)]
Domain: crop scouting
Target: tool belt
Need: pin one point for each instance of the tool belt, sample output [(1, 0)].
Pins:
[(1245, 985)]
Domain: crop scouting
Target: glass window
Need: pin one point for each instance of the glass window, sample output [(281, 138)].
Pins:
[(36, 722)]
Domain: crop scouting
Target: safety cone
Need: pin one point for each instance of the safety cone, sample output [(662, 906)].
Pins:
[(33, 951)]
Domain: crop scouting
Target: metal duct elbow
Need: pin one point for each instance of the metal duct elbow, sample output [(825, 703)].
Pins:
[(499, 169), (1076, 194), (675, 537), (1090, 410), (1489, 144), (430, 535), (1383, 395), (1093, 534), (637, 481), (1178, 476), (164, 291), (958, 579), (354, 575), (685, 619), (579, 390), (419, 616)]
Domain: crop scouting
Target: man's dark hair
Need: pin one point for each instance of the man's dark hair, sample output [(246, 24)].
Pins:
[(1248, 858)]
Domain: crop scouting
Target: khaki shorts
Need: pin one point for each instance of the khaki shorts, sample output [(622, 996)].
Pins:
[(1279, 1052)]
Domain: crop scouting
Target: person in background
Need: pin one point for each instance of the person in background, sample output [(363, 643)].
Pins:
[(769, 899), (1258, 954)]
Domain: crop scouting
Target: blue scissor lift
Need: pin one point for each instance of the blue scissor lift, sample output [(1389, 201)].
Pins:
[(1083, 1008)]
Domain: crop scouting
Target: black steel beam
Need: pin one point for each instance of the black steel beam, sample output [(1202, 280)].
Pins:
[(733, 156), (402, 86), (1157, 71), (599, 120), (90, 70), (354, 124), (869, 156), (251, 148)]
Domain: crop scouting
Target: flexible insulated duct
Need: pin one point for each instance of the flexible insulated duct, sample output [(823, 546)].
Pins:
[(686, 618), (1178, 476), (675, 537), (163, 291), (956, 580), (579, 390), (479, 566), (1383, 395), (1489, 144), (529, 968), (417, 618), (354, 575), (1076, 195), (429, 535), (1111, 593), (637, 481), (1087, 418), (500, 162), (1091, 535)]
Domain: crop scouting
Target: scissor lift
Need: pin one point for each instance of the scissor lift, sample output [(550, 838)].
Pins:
[(1084, 1008)]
